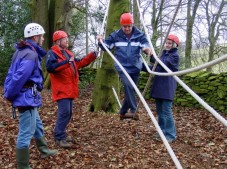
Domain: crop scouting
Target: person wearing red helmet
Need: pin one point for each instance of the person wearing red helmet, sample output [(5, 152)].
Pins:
[(128, 42), (163, 88), (64, 76)]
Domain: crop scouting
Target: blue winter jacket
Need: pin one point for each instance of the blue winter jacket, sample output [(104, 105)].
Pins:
[(164, 87), (127, 51), (24, 73)]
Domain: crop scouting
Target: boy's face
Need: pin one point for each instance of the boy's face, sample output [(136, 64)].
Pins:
[(127, 29)]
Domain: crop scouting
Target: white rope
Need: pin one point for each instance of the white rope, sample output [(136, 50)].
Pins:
[(169, 149), (161, 49), (203, 103), (115, 94), (178, 73), (104, 19), (173, 156), (102, 30)]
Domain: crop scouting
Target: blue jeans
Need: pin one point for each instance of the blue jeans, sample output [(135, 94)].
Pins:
[(64, 116), (30, 125), (129, 101), (165, 118)]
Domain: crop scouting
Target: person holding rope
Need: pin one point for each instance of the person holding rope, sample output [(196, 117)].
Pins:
[(22, 88), (128, 42), (163, 88), (63, 68)]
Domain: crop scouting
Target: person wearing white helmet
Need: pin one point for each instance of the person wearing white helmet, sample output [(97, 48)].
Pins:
[(22, 88), (36, 31)]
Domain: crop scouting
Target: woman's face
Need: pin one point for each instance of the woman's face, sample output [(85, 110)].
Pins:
[(168, 44)]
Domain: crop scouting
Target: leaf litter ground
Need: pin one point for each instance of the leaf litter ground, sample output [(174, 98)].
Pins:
[(103, 141)]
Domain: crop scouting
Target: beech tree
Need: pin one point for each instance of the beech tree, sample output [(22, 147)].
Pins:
[(103, 97), (55, 15), (192, 7), (215, 23)]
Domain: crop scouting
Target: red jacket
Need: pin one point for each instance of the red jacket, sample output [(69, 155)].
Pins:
[(64, 76)]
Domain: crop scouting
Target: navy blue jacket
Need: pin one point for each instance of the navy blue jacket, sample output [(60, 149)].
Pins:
[(127, 51), (164, 87), (25, 70)]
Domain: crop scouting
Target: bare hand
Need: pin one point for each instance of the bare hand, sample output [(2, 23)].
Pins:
[(147, 51), (99, 37), (71, 59)]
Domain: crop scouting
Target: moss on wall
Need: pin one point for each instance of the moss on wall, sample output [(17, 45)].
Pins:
[(212, 88)]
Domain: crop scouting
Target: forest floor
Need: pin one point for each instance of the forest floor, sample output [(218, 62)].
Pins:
[(103, 141)]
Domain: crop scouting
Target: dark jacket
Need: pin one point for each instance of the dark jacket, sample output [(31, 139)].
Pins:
[(64, 76), (164, 87), (127, 51), (25, 70)]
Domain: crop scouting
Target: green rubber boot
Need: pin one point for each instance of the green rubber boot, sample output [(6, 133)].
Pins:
[(22, 157), (43, 149)]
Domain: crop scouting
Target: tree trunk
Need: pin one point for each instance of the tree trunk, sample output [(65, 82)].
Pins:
[(214, 28), (39, 10), (155, 21), (190, 23), (57, 17), (103, 97), (188, 45), (86, 22), (136, 14)]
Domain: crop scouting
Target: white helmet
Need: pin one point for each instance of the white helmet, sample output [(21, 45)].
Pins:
[(33, 29)]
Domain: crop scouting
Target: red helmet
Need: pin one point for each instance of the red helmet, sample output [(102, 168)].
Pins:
[(126, 19), (58, 35), (174, 38)]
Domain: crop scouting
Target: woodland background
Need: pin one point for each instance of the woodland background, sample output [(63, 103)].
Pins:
[(103, 141)]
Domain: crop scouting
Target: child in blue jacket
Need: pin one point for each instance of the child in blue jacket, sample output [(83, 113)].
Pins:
[(164, 87)]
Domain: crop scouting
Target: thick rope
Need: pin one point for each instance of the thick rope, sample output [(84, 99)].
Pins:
[(100, 54), (203, 103), (116, 96), (169, 149), (174, 158), (162, 47), (178, 73)]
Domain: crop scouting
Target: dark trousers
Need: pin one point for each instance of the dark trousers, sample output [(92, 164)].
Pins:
[(63, 118), (129, 101)]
